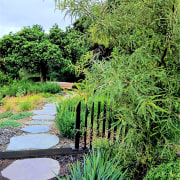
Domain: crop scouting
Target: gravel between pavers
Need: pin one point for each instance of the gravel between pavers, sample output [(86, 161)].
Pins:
[(6, 133)]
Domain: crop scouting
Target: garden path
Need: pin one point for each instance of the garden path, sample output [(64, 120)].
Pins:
[(37, 138)]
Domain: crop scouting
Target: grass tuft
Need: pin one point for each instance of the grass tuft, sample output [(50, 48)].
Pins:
[(9, 123), (6, 114), (22, 103), (20, 116)]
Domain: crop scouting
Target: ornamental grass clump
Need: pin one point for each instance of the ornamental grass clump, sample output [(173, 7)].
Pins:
[(66, 116), (96, 165)]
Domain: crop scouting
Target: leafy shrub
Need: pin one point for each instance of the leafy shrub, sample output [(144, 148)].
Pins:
[(45, 88), (169, 171), (9, 123), (20, 116), (20, 92), (6, 114), (97, 165), (66, 117), (103, 144), (66, 124), (24, 74), (4, 79)]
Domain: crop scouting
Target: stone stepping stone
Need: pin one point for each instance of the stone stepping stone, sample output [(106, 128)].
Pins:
[(32, 141), (50, 105), (36, 129), (41, 122), (45, 112), (43, 117), (49, 108), (32, 169)]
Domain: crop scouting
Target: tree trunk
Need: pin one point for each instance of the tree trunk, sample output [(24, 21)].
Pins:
[(43, 72)]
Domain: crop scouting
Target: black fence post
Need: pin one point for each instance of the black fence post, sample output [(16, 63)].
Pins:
[(92, 119), (85, 130), (77, 130), (109, 127), (115, 129), (104, 119), (98, 117)]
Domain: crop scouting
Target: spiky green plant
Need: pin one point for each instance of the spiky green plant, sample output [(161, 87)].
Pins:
[(97, 165)]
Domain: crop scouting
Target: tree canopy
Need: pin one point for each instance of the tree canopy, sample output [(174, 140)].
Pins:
[(34, 50)]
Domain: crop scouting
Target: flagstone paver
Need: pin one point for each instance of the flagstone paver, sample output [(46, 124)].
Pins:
[(32, 169), (32, 141), (50, 105), (49, 108), (36, 129), (45, 112), (43, 117), (41, 122)]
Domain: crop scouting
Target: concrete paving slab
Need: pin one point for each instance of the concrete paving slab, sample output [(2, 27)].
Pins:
[(43, 117), (41, 122), (32, 141), (32, 169), (36, 129), (45, 112)]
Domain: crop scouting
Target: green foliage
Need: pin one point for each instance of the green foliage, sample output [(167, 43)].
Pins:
[(20, 92), (31, 51), (102, 143), (66, 116), (24, 74), (21, 88), (9, 123), (47, 95), (6, 114), (164, 171), (20, 116), (4, 79), (25, 106), (97, 165), (72, 47), (66, 124), (141, 78)]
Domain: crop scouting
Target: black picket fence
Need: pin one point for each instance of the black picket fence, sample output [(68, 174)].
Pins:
[(108, 126), (96, 123)]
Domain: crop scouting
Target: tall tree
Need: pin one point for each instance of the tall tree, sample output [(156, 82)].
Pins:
[(30, 49)]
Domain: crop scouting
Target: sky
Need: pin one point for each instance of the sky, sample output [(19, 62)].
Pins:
[(15, 14)]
